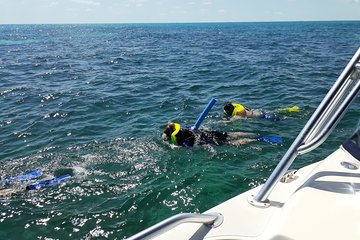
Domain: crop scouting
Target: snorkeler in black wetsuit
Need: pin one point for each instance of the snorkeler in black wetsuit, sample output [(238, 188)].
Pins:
[(187, 137)]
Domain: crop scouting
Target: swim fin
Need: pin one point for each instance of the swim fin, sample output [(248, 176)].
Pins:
[(48, 183), (24, 177), (271, 139), (290, 109)]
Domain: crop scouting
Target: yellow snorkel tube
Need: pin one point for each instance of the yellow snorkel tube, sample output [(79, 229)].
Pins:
[(174, 130), (173, 134)]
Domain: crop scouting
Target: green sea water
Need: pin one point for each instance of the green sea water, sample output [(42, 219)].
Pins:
[(92, 101)]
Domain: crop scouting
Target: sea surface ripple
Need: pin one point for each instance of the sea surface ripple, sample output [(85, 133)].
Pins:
[(92, 101)]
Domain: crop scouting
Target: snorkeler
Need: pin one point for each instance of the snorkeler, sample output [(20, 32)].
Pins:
[(237, 111), (187, 137)]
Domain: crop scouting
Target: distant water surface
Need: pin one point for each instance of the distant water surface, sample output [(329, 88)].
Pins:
[(92, 101)]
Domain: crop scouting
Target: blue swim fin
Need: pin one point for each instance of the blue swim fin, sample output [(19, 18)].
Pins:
[(25, 177), (48, 183), (271, 139)]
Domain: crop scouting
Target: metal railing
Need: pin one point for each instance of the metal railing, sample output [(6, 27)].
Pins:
[(320, 125), (211, 219)]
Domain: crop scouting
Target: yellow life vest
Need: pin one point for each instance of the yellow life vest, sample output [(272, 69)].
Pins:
[(173, 134), (238, 110)]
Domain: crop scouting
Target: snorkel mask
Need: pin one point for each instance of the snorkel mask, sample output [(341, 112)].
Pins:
[(170, 132)]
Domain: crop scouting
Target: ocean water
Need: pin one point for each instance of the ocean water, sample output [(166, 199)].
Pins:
[(92, 101)]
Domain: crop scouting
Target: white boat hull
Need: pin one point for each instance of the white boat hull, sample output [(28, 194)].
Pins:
[(320, 201)]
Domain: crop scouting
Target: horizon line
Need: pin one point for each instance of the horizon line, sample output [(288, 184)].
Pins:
[(198, 22)]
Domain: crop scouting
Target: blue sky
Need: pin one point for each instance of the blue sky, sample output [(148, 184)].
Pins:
[(163, 11)]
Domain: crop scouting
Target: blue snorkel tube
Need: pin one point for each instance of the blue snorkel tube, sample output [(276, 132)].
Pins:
[(203, 114)]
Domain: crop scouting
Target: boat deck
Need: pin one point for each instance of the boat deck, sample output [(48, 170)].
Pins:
[(317, 198)]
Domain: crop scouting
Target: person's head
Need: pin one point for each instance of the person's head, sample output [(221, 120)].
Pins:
[(228, 109), (170, 132)]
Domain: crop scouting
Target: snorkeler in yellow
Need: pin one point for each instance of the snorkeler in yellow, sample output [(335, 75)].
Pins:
[(187, 137), (238, 110)]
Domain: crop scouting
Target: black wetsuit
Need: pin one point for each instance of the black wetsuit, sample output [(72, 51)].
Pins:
[(186, 137)]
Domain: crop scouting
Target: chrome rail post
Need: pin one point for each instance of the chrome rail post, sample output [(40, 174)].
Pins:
[(333, 106), (317, 123), (210, 219), (321, 137)]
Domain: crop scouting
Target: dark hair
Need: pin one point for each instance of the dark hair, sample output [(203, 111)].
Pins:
[(169, 129), (229, 108)]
